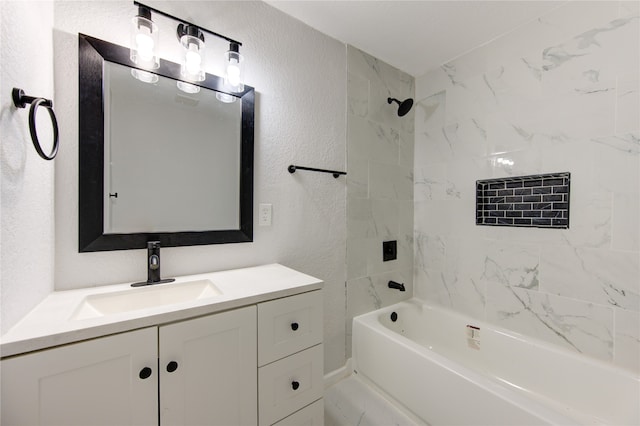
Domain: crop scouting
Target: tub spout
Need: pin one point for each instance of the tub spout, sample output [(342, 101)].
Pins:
[(397, 286)]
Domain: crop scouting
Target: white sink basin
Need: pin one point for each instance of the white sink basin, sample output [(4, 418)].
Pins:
[(98, 305)]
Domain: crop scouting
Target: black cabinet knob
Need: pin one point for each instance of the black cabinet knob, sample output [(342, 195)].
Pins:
[(145, 373), (172, 366), (294, 326), (295, 385)]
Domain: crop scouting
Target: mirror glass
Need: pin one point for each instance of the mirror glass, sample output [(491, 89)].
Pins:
[(166, 149), (156, 162)]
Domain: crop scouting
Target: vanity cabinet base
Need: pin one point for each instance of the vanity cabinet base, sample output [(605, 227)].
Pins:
[(203, 371)]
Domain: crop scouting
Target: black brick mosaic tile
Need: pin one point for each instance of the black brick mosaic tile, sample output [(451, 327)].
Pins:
[(552, 213), (542, 190), (530, 199), (526, 191), (542, 206), (553, 182), (539, 201), (532, 213)]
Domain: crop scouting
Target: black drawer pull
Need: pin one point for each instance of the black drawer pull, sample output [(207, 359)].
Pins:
[(172, 366), (145, 373), (295, 385), (294, 326)]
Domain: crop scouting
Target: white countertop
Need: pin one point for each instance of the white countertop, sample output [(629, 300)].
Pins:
[(51, 323)]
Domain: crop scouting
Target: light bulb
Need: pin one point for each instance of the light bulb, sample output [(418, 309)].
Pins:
[(144, 40), (193, 59), (191, 68), (233, 74), (144, 45)]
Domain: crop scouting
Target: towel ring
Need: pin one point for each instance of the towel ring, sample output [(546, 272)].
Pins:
[(20, 100)]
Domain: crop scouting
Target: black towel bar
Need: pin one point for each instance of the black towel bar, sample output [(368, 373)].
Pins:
[(335, 173)]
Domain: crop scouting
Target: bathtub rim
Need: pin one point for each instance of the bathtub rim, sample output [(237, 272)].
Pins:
[(372, 317), (527, 400)]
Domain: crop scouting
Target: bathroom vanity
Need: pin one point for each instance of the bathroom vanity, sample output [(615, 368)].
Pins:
[(240, 347)]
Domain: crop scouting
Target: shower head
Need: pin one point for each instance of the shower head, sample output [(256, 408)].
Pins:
[(404, 106)]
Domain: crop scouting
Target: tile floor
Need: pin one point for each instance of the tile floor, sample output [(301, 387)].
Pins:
[(352, 402)]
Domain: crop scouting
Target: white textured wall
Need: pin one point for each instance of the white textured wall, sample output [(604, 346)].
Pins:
[(27, 231), (300, 80), (379, 184), (558, 94)]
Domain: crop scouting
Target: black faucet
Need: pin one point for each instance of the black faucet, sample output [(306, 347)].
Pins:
[(153, 266), (397, 286)]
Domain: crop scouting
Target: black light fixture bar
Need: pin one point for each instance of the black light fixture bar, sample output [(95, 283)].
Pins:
[(213, 33)]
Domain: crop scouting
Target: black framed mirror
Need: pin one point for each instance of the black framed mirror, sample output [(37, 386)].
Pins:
[(157, 162)]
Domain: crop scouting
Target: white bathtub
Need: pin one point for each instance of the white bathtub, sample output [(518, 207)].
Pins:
[(426, 362)]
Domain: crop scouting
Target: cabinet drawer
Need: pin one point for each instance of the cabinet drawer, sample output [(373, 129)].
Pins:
[(311, 415), (287, 385), (289, 325)]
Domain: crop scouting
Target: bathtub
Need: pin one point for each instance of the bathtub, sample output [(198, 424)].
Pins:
[(448, 369)]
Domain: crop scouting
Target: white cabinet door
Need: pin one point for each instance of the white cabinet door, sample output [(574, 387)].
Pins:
[(97, 382), (208, 373)]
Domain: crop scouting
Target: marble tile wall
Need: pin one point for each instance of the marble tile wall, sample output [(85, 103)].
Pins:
[(560, 93), (379, 184)]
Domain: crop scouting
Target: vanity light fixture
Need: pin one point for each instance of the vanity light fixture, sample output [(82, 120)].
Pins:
[(233, 74), (192, 41), (145, 40)]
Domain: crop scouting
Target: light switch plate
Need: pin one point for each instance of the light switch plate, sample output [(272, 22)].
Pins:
[(265, 212)]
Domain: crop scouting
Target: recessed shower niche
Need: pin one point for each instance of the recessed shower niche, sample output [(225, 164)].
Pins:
[(537, 201)]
